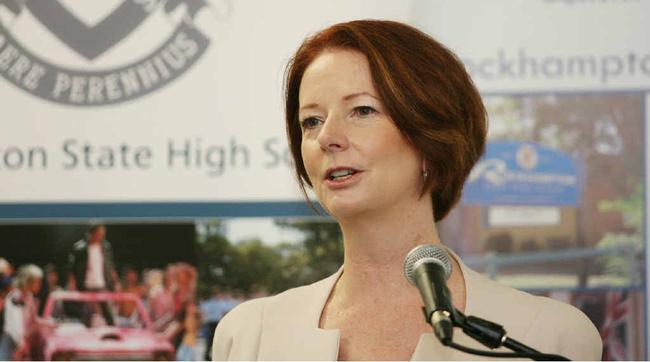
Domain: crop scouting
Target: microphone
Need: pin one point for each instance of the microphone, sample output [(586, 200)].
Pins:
[(427, 267)]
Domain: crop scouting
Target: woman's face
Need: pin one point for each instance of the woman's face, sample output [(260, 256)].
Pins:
[(34, 285), (356, 158)]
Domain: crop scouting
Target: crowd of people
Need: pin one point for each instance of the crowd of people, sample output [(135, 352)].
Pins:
[(169, 296)]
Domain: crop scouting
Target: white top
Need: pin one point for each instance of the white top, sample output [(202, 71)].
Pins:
[(15, 316), (286, 326), (95, 267)]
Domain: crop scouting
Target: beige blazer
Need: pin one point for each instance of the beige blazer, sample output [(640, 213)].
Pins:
[(286, 326)]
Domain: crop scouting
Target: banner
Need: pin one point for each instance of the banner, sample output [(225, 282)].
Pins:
[(152, 108)]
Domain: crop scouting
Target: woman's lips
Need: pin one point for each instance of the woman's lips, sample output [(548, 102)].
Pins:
[(342, 181)]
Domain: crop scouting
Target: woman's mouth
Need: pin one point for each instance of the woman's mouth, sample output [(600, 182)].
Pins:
[(341, 176)]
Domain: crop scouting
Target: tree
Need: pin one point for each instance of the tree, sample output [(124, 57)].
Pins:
[(323, 244), (632, 210), (215, 263), (259, 267)]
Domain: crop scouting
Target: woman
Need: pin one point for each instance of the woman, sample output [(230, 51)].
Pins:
[(384, 124), (20, 315), (159, 301)]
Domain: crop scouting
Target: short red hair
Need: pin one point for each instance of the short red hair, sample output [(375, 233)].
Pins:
[(425, 89)]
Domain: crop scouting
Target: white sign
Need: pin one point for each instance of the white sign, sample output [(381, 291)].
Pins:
[(153, 101), (523, 216)]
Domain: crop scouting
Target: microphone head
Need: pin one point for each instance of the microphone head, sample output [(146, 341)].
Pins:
[(426, 253)]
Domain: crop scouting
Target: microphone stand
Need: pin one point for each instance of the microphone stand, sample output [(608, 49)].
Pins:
[(493, 335)]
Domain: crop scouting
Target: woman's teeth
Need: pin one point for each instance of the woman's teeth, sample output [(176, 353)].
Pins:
[(340, 173)]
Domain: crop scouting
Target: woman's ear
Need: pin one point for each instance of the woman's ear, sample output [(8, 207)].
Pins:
[(425, 172)]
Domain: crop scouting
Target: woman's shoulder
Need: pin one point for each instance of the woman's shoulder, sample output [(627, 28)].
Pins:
[(238, 333), (548, 324), (240, 326), (573, 333), (293, 299)]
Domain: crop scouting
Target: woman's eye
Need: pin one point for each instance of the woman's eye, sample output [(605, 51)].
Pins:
[(309, 122), (364, 111)]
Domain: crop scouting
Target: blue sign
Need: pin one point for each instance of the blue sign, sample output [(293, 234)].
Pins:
[(521, 173)]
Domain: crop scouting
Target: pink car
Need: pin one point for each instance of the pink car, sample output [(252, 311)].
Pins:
[(87, 326)]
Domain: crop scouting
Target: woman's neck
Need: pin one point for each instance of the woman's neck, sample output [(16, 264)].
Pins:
[(375, 248), (376, 245)]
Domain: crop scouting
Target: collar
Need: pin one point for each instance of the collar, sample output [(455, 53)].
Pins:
[(290, 324)]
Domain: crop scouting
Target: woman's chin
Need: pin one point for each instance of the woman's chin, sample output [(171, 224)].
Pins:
[(342, 209)]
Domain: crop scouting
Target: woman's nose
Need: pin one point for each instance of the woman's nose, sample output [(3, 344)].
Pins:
[(333, 135)]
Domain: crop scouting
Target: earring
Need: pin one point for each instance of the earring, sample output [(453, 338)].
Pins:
[(425, 173)]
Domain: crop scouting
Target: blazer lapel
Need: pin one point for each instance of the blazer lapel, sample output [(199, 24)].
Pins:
[(290, 325)]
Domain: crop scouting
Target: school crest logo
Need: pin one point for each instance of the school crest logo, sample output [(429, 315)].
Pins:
[(92, 80)]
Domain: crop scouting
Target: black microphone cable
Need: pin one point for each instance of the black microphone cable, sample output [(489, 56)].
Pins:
[(533, 356), (493, 335)]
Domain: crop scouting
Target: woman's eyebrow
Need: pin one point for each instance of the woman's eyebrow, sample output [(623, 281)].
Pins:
[(309, 106), (345, 98), (355, 95)]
